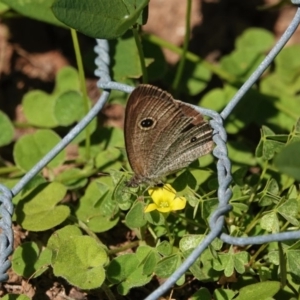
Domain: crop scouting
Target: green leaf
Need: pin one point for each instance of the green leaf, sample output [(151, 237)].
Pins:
[(208, 207), (269, 144), (289, 210), (148, 258), (265, 290), (3, 9), (228, 264), (35, 9), (256, 39), (186, 178), (288, 160), (102, 139), (288, 64), (121, 194), (270, 193), (168, 265), (246, 112), (106, 19), (200, 175), (39, 109), (164, 248), (7, 130), (292, 258), (67, 79), (217, 98), (68, 108), (127, 271), (241, 259), (241, 62), (270, 222), (222, 294), (96, 208), (190, 242), (59, 237), (202, 268), (73, 178), (81, 137), (249, 52), (135, 218), (29, 261), (63, 107), (241, 153), (34, 182), (125, 51), (109, 159), (38, 210), (157, 219), (196, 78), (231, 261), (201, 294), (31, 148), (80, 261)]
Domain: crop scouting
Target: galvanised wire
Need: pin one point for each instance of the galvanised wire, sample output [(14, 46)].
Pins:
[(6, 208), (223, 165), (6, 237), (216, 221)]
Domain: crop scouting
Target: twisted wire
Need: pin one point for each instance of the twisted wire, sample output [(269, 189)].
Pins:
[(6, 208), (216, 221), (6, 236)]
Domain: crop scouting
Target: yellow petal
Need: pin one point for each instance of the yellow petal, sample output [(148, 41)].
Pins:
[(164, 209), (150, 207), (165, 193), (178, 203)]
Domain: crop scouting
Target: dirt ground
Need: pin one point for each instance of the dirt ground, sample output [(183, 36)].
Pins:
[(32, 52)]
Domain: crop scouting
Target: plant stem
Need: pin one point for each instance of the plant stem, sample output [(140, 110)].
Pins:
[(141, 54), (169, 234), (190, 56), (10, 169), (124, 248), (180, 68), (108, 292), (83, 88)]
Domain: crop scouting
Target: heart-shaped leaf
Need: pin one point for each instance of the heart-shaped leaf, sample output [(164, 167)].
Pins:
[(38, 210)]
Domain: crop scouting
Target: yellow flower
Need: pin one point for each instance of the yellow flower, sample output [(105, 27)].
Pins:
[(165, 199)]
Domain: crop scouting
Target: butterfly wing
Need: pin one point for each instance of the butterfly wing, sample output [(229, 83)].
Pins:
[(157, 129)]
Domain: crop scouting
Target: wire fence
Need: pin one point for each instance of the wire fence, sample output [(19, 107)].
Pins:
[(216, 221)]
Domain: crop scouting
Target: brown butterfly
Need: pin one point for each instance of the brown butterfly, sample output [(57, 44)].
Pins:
[(162, 135)]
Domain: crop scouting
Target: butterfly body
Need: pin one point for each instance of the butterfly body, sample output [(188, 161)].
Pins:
[(162, 135)]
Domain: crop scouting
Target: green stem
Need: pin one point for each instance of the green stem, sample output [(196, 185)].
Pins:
[(283, 108), (7, 170), (169, 234), (254, 257), (291, 287), (180, 68), (83, 88), (191, 222), (254, 221), (282, 265), (263, 173), (138, 43), (191, 57), (83, 226), (108, 292), (152, 233), (124, 248)]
